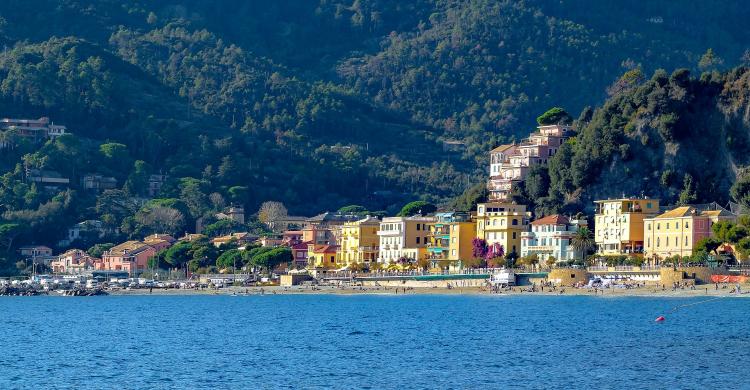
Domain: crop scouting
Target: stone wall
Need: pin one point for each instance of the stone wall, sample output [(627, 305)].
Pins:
[(568, 276), (689, 275)]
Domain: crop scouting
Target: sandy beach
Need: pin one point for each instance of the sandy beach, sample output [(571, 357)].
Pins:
[(648, 291)]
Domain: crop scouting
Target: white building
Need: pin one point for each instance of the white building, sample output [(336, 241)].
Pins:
[(405, 237), (551, 236)]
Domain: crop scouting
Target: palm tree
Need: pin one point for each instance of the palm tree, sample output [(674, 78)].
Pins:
[(583, 241)]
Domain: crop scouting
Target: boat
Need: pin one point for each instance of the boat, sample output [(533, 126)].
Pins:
[(503, 278)]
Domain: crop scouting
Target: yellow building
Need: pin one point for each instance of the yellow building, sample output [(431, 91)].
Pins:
[(403, 237), (619, 224), (450, 239), (675, 232), (358, 242), (502, 223), (321, 256)]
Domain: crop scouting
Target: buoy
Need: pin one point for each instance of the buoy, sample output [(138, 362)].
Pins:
[(660, 318)]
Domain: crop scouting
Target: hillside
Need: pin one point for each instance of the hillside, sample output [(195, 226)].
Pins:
[(325, 103)]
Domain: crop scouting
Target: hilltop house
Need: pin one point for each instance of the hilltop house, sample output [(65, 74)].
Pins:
[(91, 227), (36, 130), (509, 164), (96, 182)]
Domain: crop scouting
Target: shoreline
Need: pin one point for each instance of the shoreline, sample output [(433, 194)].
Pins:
[(644, 292)]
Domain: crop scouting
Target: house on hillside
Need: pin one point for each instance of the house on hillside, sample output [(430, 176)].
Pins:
[(91, 227), (97, 183), (36, 130)]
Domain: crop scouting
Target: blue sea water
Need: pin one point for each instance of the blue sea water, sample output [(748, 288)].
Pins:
[(375, 342)]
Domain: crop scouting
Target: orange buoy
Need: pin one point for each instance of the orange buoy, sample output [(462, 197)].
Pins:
[(660, 318)]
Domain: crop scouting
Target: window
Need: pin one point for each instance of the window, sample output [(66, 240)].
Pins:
[(687, 225), (418, 226), (648, 205), (658, 241), (417, 240), (658, 226), (675, 241), (514, 235), (515, 222), (453, 252)]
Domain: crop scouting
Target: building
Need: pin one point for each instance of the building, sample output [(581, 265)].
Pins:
[(236, 214), (323, 229), (271, 241), (675, 232), (509, 164), (130, 256), (74, 261), (36, 130), (38, 254), (321, 256), (502, 223), (288, 222), (292, 237), (359, 242), (51, 180), (450, 239), (551, 237), (159, 242), (84, 229), (403, 238), (155, 182), (240, 239), (299, 254), (619, 224), (98, 183)]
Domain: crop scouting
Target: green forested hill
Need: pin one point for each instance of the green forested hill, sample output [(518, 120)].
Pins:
[(324, 103)]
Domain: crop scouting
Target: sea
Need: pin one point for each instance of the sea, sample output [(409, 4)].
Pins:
[(373, 342)]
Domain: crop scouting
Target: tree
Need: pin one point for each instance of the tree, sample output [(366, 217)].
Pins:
[(740, 190), (98, 250), (354, 209), (417, 207), (688, 194), (179, 254), (161, 219), (709, 61), (479, 248), (9, 232), (583, 242), (707, 245), (223, 227), (271, 211), (553, 116), (229, 258)]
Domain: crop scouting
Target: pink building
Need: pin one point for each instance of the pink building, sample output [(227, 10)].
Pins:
[(74, 261), (130, 256)]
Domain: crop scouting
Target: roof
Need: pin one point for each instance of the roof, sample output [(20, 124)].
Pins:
[(130, 247), (161, 237), (34, 247), (552, 220), (502, 148), (325, 248), (679, 212), (334, 217), (625, 200), (717, 213)]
